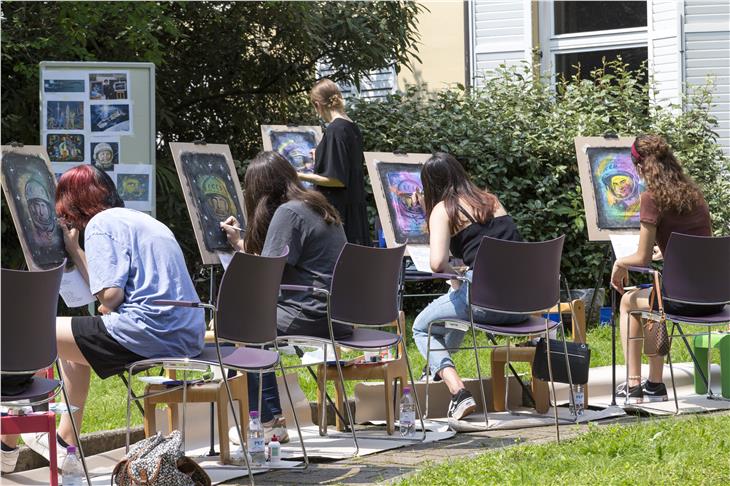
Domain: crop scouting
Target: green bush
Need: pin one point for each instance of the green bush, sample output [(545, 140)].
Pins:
[(515, 136)]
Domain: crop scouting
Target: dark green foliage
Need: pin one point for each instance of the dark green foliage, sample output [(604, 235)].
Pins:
[(223, 68), (515, 136)]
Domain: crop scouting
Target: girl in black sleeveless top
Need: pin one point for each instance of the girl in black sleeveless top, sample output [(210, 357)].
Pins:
[(459, 215)]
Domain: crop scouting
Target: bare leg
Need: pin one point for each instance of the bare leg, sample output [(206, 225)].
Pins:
[(76, 376), (10, 440), (633, 300), (452, 379)]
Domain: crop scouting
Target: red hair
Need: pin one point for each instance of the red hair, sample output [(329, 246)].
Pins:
[(82, 193)]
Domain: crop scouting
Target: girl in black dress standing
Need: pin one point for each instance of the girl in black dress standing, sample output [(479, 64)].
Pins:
[(339, 160)]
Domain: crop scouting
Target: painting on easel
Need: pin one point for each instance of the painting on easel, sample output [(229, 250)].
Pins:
[(30, 191), (395, 179), (610, 184), (295, 143), (212, 193)]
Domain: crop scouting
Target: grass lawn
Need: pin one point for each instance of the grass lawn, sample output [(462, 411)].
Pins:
[(689, 451), (107, 399)]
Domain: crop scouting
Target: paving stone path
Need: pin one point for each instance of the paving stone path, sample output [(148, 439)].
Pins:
[(394, 465)]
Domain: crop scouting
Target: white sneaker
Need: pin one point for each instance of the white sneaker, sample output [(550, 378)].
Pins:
[(9, 460), (38, 442)]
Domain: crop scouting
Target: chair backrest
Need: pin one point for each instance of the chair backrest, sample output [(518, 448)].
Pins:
[(516, 276), (28, 312), (697, 269), (365, 285), (247, 298)]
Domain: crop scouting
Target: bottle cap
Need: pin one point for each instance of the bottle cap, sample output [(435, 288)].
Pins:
[(406, 390), (71, 449), (253, 414), (274, 438)]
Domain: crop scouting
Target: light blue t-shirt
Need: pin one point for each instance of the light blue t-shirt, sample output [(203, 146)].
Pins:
[(135, 252)]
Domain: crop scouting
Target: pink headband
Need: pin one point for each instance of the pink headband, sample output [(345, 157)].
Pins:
[(636, 154)]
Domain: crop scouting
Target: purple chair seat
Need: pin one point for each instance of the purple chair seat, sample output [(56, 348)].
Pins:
[(245, 358), (40, 388), (533, 325), (711, 320), (369, 338)]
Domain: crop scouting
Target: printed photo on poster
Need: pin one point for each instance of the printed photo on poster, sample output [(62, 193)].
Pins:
[(110, 118), (104, 154), (616, 187), (59, 168), (133, 187), (401, 182), (64, 86), (65, 147), (30, 192), (108, 86), (65, 115)]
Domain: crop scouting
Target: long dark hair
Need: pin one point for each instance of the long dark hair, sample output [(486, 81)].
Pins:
[(271, 181), (670, 187), (444, 179), (82, 193)]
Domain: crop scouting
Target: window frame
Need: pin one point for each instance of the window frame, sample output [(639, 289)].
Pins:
[(552, 44)]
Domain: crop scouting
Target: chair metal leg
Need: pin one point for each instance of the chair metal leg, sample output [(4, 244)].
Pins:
[(294, 413), (77, 435), (350, 418), (571, 394), (671, 371), (479, 369), (136, 401), (129, 410), (552, 382), (428, 366), (506, 382), (710, 395), (244, 448), (323, 394), (184, 407)]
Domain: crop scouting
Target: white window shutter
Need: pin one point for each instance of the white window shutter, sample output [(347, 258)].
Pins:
[(664, 19)]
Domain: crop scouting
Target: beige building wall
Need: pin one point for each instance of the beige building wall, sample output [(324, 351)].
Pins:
[(441, 47)]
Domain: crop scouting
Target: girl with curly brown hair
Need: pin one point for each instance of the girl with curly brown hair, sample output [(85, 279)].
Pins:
[(671, 203)]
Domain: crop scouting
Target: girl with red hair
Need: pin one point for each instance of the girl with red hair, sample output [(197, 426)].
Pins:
[(129, 260)]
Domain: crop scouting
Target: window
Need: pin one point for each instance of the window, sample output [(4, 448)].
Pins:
[(573, 17), (585, 32)]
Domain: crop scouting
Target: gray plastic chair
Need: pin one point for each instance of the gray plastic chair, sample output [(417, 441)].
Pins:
[(696, 271), (28, 308), (245, 315), (364, 294), (513, 277)]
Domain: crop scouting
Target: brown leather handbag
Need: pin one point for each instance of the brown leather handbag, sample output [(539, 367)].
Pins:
[(656, 338)]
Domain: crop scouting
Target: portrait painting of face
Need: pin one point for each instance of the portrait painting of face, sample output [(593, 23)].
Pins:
[(30, 189), (214, 195), (105, 155), (616, 186), (400, 183)]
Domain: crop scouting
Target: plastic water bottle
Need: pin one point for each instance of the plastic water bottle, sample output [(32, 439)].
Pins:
[(407, 418), (274, 451), (256, 447), (579, 396), (72, 473)]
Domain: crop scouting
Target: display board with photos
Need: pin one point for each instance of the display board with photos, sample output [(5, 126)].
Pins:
[(102, 114)]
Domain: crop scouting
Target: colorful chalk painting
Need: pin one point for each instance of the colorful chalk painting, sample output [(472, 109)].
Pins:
[(65, 115), (110, 118), (214, 195), (30, 188), (133, 187), (296, 147), (63, 147), (400, 182), (616, 187)]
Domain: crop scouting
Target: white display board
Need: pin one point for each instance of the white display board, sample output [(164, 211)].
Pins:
[(102, 113)]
